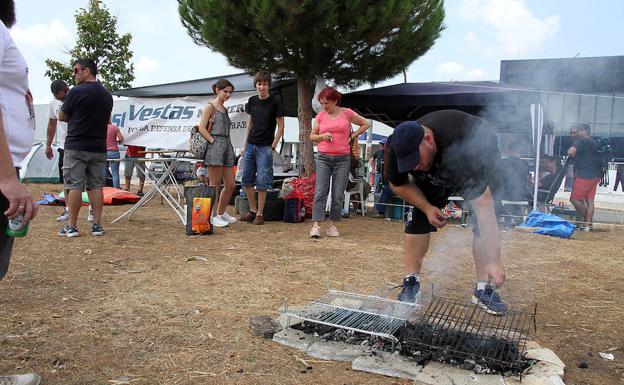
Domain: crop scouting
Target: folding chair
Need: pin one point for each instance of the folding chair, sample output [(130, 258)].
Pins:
[(357, 189), (546, 204)]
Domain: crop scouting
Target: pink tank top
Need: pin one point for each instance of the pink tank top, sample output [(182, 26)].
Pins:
[(111, 138), (340, 128)]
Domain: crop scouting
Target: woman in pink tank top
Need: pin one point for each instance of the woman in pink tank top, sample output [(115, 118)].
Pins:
[(332, 131), (113, 138)]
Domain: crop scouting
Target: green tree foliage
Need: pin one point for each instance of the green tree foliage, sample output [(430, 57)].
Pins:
[(98, 40), (348, 41)]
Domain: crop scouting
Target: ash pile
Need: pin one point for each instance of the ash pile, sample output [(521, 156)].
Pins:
[(449, 331)]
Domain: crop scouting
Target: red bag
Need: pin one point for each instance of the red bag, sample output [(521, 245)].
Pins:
[(304, 188)]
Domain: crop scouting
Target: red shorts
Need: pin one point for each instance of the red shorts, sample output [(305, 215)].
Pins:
[(583, 189)]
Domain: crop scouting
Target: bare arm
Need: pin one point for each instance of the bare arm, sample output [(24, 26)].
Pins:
[(315, 137), (19, 196), (249, 125), (572, 151), (120, 138), (205, 120), (360, 121), (280, 132), (413, 195), (489, 234), (50, 137)]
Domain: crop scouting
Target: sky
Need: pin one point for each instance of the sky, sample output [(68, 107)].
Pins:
[(478, 35)]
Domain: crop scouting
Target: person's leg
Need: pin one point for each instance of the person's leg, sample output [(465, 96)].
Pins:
[(114, 167), (321, 188), (75, 164), (74, 202), (94, 184), (6, 242), (228, 188), (128, 168), (249, 178), (215, 175), (340, 178), (60, 164), (589, 212), (580, 208), (416, 246), (140, 169), (264, 161), (96, 197)]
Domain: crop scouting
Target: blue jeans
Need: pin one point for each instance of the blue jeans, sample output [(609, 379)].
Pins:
[(334, 168), (114, 167), (257, 167), (386, 193)]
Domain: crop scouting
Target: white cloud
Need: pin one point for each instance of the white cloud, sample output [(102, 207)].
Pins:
[(512, 25), (476, 74), (42, 35), (450, 69), (145, 65)]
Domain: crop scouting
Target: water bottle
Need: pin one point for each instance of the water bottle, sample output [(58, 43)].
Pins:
[(16, 228)]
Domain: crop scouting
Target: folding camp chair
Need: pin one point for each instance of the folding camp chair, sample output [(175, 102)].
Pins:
[(546, 203)]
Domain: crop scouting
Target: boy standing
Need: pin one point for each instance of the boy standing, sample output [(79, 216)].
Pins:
[(265, 112)]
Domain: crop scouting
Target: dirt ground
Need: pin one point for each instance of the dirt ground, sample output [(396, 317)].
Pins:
[(128, 307)]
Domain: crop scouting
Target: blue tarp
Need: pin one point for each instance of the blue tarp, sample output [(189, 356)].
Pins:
[(549, 224)]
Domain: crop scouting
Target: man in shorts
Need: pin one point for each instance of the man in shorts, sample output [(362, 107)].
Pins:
[(448, 152), (265, 112), (86, 110), (587, 173)]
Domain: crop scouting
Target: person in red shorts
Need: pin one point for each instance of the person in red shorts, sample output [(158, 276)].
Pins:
[(587, 173)]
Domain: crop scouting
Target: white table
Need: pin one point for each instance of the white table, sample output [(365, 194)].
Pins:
[(160, 186)]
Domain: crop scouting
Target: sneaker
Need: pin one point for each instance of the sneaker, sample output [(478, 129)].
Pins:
[(228, 218), (410, 291), (219, 221), (68, 231), (315, 232), (333, 232), (248, 217), (140, 193), (97, 230), (490, 301), (63, 217), (259, 220), (21, 379)]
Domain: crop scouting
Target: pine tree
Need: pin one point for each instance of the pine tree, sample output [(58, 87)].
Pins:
[(349, 41), (98, 40)]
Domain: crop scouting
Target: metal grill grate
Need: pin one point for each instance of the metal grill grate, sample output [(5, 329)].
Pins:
[(453, 330), (372, 315)]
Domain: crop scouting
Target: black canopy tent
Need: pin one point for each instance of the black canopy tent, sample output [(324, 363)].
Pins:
[(285, 88), (506, 106)]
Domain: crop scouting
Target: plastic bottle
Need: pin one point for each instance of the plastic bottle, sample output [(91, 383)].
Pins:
[(16, 228)]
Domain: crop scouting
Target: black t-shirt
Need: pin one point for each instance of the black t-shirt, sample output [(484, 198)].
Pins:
[(264, 114), (89, 107), (379, 157), (587, 161), (467, 160)]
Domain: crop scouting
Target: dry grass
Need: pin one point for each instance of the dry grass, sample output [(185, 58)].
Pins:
[(127, 307)]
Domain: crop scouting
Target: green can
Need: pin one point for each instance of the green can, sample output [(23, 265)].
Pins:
[(17, 229)]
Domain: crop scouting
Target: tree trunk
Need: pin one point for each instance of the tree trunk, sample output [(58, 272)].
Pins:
[(304, 113)]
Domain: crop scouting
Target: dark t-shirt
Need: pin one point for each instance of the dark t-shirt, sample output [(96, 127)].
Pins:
[(587, 159), (264, 114), (467, 160), (379, 157), (89, 107)]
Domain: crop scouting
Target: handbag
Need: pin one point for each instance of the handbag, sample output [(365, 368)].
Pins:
[(198, 144)]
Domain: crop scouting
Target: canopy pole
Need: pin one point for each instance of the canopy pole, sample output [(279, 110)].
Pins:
[(537, 124)]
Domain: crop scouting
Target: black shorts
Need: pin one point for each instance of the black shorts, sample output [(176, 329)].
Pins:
[(437, 195)]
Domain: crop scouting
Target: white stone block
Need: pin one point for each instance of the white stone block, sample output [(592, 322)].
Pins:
[(436, 373), (545, 355), (294, 338), (333, 350), (387, 365), (534, 379)]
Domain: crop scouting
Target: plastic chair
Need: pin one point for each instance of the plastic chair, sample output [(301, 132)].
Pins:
[(357, 189)]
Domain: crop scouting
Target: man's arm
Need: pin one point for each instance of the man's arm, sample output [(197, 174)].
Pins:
[(20, 198), (50, 137), (489, 234), (572, 151), (280, 132), (63, 117), (413, 195)]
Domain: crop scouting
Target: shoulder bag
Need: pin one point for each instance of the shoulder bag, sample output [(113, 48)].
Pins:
[(198, 144)]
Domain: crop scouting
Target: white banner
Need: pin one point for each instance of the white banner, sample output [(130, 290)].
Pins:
[(165, 122)]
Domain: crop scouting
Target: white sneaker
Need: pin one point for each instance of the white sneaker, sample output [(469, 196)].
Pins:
[(21, 379), (219, 221), (228, 218), (63, 217), (90, 217)]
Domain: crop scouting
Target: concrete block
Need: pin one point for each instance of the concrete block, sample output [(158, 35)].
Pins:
[(338, 351), (294, 338), (388, 365), (436, 373), (534, 379), (544, 355)]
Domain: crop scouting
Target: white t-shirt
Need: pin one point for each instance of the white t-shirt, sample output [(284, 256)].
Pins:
[(18, 116), (61, 127)]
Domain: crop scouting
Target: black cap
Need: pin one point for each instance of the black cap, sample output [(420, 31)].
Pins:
[(406, 138)]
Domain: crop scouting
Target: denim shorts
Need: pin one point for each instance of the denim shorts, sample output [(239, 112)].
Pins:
[(258, 167)]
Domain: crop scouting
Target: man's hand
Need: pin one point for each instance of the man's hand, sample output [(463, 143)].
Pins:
[(436, 217), (496, 271), (48, 152), (20, 200)]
